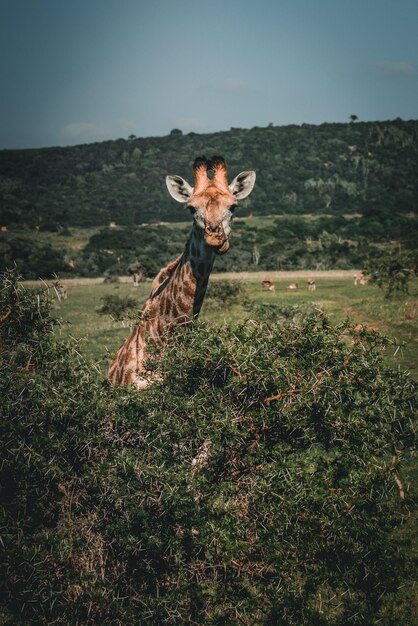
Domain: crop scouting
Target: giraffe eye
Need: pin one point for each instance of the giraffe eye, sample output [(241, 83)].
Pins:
[(232, 208), (192, 209)]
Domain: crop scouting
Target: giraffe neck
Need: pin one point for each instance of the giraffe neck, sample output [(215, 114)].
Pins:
[(200, 258), (181, 287), (176, 297)]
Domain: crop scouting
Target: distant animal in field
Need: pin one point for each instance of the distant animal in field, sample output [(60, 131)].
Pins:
[(311, 284), (268, 284), (360, 279), (62, 291), (137, 277), (410, 310), (293, 286)]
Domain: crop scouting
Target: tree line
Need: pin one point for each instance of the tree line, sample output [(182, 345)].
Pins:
[(366, 167), (284, 243)]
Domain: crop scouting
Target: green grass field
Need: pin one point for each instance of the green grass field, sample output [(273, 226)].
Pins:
[(100, 335)]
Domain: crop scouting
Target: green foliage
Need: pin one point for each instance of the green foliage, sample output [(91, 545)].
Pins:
[(110, 277), (394, 272), (337, 168), (65, 232), (264, 243), (31, 258), (273, 313), (25, 322), (357, 181), (225, 292), (117, 306), (117, 250), (252, 485)]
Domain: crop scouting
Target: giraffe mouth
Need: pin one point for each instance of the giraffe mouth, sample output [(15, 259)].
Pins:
[(221, 245)]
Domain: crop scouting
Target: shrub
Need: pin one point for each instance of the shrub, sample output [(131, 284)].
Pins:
[(117, 306), (274, 313), (225, 291), (65, 232), (111, 276), (252, 485), (34, 260), (394, 271)]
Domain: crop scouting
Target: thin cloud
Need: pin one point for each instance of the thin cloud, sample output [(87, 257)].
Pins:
[(81, 130), (399, 69), (126, 126)]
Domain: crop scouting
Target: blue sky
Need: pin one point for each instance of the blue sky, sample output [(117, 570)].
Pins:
[(77, 71)]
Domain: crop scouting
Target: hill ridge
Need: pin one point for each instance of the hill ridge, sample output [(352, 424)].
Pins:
[(364, 167)]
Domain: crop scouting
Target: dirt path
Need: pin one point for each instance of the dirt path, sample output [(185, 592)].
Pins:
[(291, 275)]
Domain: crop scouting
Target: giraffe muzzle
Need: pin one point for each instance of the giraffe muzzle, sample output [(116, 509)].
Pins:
[(216, 238), (223, 247), (220, 243)]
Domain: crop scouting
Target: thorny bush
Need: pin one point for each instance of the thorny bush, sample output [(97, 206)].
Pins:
[(117, 306), (254, 484)]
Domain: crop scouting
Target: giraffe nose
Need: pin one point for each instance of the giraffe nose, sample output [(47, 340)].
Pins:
[(213, 228)]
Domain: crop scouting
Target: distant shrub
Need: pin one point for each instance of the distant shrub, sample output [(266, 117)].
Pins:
[(148, 266), (49, 225), (151, 247), (32, 259), (225, 291), (275, 313), (117, 306), (393, 272), (110, 277), (253, 485), (65, 232)]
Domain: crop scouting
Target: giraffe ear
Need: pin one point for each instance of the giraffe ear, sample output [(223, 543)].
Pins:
[(178, 188), (243, 184)]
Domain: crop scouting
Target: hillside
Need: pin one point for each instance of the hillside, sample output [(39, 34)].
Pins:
[(369, 168)]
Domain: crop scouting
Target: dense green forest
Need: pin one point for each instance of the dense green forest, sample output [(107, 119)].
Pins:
[(365, 167), (337, 194)]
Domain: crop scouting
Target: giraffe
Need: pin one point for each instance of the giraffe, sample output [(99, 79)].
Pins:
[(178, 290)]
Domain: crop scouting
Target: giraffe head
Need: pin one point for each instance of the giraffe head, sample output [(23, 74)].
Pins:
[(212, 201)]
